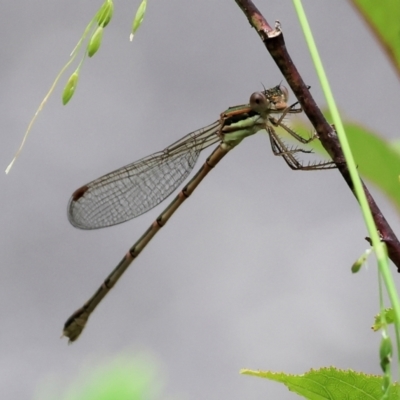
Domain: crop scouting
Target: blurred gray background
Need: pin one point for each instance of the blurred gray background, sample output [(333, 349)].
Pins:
[(253, 271)]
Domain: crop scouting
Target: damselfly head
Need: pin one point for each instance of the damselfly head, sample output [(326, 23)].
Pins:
[(278, 96)]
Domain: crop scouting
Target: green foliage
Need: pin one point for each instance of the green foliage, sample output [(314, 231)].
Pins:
[(377, 160), (126, 377), (331, 384), (383, 19)]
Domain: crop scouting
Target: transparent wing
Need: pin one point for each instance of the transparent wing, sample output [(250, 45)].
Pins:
[(138, 187)]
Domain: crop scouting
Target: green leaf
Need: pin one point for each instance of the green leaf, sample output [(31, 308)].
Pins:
[(125, 377), (331, 384), (383, 18), (377, 159), (396, 145)]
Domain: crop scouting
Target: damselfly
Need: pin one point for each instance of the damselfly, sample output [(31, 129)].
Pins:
[(136, 188)]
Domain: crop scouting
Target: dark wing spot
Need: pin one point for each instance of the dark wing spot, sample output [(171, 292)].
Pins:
[(79, 193)]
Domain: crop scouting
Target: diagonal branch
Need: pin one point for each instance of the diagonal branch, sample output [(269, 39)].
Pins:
[(275, 44)]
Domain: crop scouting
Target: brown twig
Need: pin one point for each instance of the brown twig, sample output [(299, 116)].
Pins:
[(274, 42)]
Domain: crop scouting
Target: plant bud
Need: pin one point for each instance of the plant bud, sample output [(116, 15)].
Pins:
[(105, 13), (95, 41), (385, 352), (138, 18), (70, 87)]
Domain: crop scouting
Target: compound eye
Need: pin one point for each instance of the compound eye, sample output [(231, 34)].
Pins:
[(284, 92), (259, 103)]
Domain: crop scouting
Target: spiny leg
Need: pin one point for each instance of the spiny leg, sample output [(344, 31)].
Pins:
[(278, 122), (280, 149)]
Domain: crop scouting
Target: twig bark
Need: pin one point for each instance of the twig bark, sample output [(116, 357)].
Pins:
[(275, 44)]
